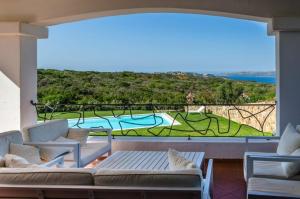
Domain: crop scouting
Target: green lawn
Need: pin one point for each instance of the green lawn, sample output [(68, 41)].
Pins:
[(210, 125)]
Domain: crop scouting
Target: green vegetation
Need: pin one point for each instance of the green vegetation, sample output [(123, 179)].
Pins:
[(73, 87)]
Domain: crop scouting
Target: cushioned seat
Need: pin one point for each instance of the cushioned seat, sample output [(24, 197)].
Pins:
[(90, 151), (273, 187), (46, 176), (148, 178)]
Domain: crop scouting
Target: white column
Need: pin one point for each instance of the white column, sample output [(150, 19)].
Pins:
[(18, 73), (287, 31)]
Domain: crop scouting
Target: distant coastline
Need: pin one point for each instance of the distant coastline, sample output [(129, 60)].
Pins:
[(260, 77)]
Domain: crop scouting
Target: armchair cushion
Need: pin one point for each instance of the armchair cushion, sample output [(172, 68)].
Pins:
[(289, 141), (291, 168), (30, 153), (50, 153), (80, 135), (9, 137)]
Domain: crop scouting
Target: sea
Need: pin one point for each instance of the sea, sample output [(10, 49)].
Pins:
[(259, 79)]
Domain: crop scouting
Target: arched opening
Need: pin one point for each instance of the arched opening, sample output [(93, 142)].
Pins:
[(186, 59)]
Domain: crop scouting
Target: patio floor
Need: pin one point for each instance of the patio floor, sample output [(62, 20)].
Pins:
[(229, 182)]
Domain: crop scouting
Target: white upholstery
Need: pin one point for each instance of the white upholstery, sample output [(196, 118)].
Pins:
[(289, 141), (89, 152), (47, 131), (46, 176), (273, 187), (30, 153), (148, 178), (291, 168), (79, 135), (268, 169)]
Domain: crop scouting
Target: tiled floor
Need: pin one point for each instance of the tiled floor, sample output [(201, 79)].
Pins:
[(228, 180)]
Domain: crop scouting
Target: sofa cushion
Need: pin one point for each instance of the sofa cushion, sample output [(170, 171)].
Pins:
[(47, 131), (30, 153), (89, 152), (291, 169), (177, 162), (79, 135), (148, 178), (9, 137), (46, 176), (289, 141)]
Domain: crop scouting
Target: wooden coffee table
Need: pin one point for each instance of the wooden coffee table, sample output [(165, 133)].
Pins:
[(145, 160)]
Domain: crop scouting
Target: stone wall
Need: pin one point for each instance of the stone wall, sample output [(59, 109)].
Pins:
[(261, 117)]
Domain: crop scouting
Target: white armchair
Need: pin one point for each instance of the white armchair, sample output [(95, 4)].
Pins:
[(282, 164), (45, 134)]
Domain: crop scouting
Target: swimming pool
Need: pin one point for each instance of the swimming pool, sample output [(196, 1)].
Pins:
[(125, 121)]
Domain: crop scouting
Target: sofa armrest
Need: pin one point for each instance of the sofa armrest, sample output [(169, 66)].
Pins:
[(208, 181), (273, 158), (75, 145), (267, 138)]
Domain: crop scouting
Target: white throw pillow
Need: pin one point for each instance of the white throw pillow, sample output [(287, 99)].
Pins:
[(177, 162), (291, 168), (30, 153), (80, 135), (2, 161), (15, 161), (289, 141)]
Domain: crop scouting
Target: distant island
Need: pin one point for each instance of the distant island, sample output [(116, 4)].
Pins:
[(86, 87)]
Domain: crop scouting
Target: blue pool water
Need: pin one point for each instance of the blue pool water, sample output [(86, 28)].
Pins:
[(124, 121)]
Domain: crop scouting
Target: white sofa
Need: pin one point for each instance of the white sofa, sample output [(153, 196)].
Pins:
[(45, 134)]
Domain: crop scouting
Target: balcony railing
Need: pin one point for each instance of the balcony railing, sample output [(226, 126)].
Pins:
[(176, 120)]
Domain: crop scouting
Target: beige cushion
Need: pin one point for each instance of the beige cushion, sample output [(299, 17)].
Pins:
[(2, 161), (144, 178), (291, 168), (79, 135), (289, 141), (14, 161), (46, 176), (30, 153), (177, 162), (50, 153)]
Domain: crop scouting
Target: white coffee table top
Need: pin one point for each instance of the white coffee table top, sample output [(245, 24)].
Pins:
[(145, 160)]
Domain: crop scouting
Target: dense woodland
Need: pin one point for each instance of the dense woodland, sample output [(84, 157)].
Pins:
[(76, 87)]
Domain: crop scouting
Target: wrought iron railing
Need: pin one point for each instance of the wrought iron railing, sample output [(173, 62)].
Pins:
[(178, 120)]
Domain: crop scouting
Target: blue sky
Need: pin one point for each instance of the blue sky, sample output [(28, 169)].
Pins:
[(159, 43)]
